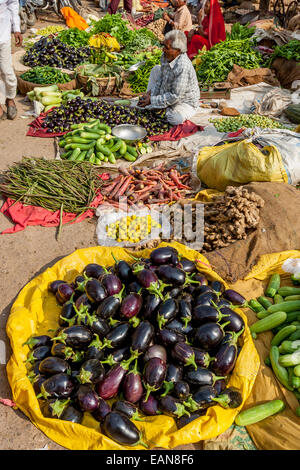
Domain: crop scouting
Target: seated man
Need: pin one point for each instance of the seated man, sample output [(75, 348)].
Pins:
[(173, 85)]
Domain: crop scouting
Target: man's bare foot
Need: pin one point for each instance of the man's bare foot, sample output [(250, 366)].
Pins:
[(11, 108)]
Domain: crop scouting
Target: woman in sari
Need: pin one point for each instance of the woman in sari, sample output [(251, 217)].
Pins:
[(211, 29)]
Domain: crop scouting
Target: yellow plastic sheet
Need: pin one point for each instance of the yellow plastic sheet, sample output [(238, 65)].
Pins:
[(239, 163), (35, 312)]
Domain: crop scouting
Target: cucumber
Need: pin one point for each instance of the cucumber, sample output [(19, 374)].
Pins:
[(259, 412), (62, 143), (123, 148), (286, 306), (273, 285), (266, 303), (288, 360), (75, 154), (287, 290), (132, 151), (90, 135), (103, 149), (116, 146), (81, 146), (129, 157), (268, 323)]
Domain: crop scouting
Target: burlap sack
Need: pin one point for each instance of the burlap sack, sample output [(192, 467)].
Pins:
[(278, 230), (294, 23), (287, 71), (239, 77)]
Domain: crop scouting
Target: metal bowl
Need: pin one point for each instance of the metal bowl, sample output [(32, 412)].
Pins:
[(129, 132)]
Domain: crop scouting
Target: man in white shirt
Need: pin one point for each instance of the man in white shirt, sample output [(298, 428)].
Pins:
[(9, 22)]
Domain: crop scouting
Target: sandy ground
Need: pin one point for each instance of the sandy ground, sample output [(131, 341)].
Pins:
[(23, 256)]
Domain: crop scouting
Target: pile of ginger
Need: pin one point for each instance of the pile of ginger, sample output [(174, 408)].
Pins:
[(230, 217)]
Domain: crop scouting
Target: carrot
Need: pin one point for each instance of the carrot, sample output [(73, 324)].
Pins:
[(117, 187), (124, 186)]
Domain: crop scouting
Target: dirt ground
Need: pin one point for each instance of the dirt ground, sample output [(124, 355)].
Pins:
[(23, 256)]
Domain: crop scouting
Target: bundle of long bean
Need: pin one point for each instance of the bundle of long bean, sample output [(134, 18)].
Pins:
[(52, 185)]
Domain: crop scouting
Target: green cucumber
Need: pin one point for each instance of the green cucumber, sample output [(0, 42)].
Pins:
[(292, 359), (75, 154), (123, 148), (132, 151), (266, 303), (287, 290), (288, 347), (103, 149), (82, 156), (81, 146), (278, 368), (268, 323), (273, 286), (100, 156), (288, 306), (62, 143), (90, 135), (259, 412), (129, 157), (116, 145), (282, 334)]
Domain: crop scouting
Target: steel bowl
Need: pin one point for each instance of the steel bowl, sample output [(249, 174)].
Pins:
[(129, 132)]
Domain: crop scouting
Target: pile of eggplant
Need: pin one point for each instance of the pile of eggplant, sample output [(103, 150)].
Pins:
[(138, 339)]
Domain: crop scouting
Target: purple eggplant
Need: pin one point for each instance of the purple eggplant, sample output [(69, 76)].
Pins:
[(154, 375), (117, 335), (149, 280), (64, 293), (131, 305), (150, 406), (169, 337), (171, 406), (223, 303), (202, 358), (76, 336), (57, 407), (134, 286), (150, 306), (206, 313), (217, 287), (83, 301), (54, 365), (91, 372), (67, 313), (184, 420), (38, 340), (181, 390), (235, 298), (236, 323), (202, 280), (209, 335), (57, 386), (231, 397), (132, 386), (123, 270), (72, 414), (95, 291), (174, 374), (207, 298), (226, 355), (126, 408), (94, 350), (110, 385), (94, 270), (87, 398), (187, 265), (38, 354), (53, 286), (201, 376), (203, 289), (79, 283), (111, 283), (185, 311), (66, 353), (102, 410), (171, 275), (174, 292), (184, 353), (167, 311), (164, 255), (37, 383), (220, 385), (119, 428), (156, 350), (142, 337), (179, 327), (110, 306), (202, 398)]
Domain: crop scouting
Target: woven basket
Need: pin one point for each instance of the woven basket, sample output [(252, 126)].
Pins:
[(24, 87), (106, 85)]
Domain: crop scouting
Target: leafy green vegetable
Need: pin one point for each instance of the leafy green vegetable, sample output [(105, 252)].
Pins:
[(290, 51), (240, 32), (74, 37), (115, 26)]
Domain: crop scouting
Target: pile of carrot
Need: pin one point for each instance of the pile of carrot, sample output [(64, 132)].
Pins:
[(143, 187)]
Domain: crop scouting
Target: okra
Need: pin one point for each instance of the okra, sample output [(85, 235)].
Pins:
[(259, 412), (289, 306), (268, 323), (279, 368), (273, 286), (282, 334)]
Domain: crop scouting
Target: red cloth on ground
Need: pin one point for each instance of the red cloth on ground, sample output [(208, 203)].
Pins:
[(36, 129), (185, 129), (23, 216), (213, 26)]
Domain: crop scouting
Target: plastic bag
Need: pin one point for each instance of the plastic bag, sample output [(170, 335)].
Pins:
[(35, 312)]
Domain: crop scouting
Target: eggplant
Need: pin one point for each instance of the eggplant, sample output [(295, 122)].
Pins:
[(226, 355), (54, 365), (64, 293), (123, 270), (156, 350), (91, 372), (217, 287), (150, 306), (53, 286), (117, 335), (79, 283), (142, 337), (184, 420), (83, 300), (223, 303), (171, 275), (235, 298), (149, 280), (206, 313), (67, 313), (187, 265), (126, 408), (119, 428), (203, 289), (236, 323), (181, 390), (171, 406), (72, 414), (185, 311), (206, 298), (166, 311), (164, 255), (95, 291), (203, 397), (169, 337), (150, 406), (201, 376), (102, 410), (38, 354), (94, 270), (208, 336), (153, 375), (76, 336), (184, 353), (37, 383), (231, 397), (134, 286), (110, 385), (57, 386), (56, 407), (38, 340), (121, 354), (202, 358), (132, 386), (87, 398), (179, 327), (93, 353), (174, 292), (174, 374), (111, 283), (131, 305), (110, 306)]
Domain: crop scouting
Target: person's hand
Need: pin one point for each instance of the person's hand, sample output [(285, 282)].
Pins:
[(190, 34), (18, 39), (144, 100), (166, 16)]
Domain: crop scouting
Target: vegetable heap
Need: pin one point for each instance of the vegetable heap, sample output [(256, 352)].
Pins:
[(278, 311), (49, 30), (51, 96), (139, 80), (46, 75), (290, 51), (51, 51), (94, 142), (132, 228), (74, 37), (239, 31), (79, 110), (215, 64), (152, 337), (248, 121)]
